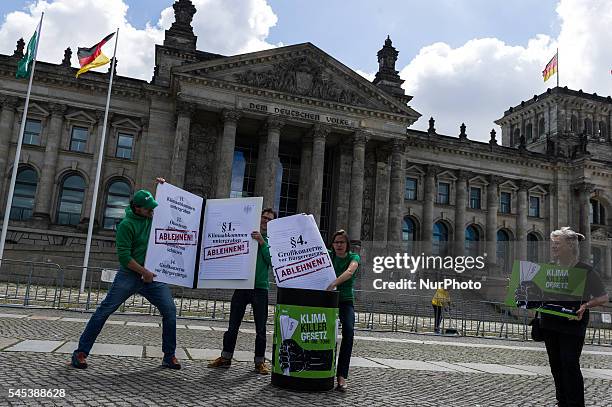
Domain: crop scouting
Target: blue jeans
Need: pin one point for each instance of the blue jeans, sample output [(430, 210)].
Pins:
[(126, 284), (346, 311), (258, 298)]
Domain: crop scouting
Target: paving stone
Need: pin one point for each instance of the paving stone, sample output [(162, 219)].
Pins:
[(203, 354), (111, 322), (248, 330), (105, 349), (597, 373), (156, 352), (17, 316), (455, 367), (181, 326), (411, 365), (74, 320), (43, 318), (541, 370), (199, 327), (145, 324), (243, 356), (364, 362), (31, 345), (497, 369), (6, 342)]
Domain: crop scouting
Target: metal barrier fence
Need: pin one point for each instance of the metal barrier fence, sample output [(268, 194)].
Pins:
[(48, 285)]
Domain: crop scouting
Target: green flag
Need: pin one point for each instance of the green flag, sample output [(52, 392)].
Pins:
[(24, 66)]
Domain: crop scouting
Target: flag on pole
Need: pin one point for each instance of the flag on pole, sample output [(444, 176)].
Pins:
[(24, 66), (93, 57), (551, 68)]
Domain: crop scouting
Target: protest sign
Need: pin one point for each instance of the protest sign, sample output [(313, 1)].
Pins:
[(299, 256), (172, 249), (228, 253), (547, 288)]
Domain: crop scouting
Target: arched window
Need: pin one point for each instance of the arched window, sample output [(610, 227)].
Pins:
[(408, 234), (541, 128), (574, 123), (603, 131), (24, 195), (517, 137), (533, 247), (588, 126), (503, 250), (440, 239), (117, 199), (529, 131), (472, 237), (72, 194), (597, 213)]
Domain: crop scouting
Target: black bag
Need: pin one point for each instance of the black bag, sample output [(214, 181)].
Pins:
[(536, 331)]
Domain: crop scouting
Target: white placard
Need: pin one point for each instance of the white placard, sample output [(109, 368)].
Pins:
[(173, 242), (228, 253), (299, 256)]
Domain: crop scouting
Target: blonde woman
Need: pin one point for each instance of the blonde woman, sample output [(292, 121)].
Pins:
[(564, 337)]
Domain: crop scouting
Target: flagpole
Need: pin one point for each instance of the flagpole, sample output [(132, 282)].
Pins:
[(92, 213), (557, 67), (9, 200)]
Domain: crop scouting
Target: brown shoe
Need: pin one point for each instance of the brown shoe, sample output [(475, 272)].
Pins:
[(79, 360), (262, 368), (220, 362)]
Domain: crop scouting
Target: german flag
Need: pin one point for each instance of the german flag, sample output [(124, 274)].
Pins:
[(93, 57)]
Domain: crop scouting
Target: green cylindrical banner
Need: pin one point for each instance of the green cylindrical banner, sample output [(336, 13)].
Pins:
[(305, 330)]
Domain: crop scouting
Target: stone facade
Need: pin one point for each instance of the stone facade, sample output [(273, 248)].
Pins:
[(296, 126)]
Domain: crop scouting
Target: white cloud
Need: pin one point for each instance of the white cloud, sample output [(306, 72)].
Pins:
[(222, 26), (476, 82)]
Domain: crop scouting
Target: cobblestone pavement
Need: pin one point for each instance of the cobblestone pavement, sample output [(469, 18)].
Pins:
[(116, 381)]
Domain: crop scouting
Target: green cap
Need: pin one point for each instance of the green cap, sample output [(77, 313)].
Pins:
[(144, 199)]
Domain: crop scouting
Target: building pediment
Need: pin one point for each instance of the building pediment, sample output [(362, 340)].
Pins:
[(299, 70)]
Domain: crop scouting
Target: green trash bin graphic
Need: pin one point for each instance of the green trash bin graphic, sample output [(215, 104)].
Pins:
[(305, 331)]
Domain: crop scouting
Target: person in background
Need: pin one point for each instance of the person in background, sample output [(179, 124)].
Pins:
[(440, 300), (257, 297), (564, 337), (345, 265), (132, 240)]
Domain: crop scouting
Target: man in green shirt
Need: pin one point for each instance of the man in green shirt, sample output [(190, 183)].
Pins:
[(132, 241), (257, 297)]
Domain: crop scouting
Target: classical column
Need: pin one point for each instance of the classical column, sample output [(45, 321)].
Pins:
[(357, 179), (396, 192), (428, 204), (460, 211), (226, 153), (95, 140), (521, 225), (49, 167), (7, 119), (305, 166), (343, 162), (184, 112), (261, 163), (584, 198), (491, 227), (381, 200), (319, 135), (140, 145), (608, 261), (274, 126)]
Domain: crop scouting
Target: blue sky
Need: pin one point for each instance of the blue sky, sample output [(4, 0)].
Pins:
[(462, 60)]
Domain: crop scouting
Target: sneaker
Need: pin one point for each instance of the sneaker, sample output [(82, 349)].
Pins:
[(171, 363), (79, 360), (220, 362), (262, 368)]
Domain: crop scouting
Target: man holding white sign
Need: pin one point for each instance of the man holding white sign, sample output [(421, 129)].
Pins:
[(132, 241), (257, 297)]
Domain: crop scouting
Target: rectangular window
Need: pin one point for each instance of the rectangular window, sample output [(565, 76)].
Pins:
[(534, 206), (443, 193), (505, 199), (474, 198), (78, 141), (411, 189), (31, 134), (125, 144)]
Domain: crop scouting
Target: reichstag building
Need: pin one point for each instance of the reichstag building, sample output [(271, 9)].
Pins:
[(296, 126)]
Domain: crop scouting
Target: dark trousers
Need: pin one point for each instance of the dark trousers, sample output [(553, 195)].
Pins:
[(258, 298), (346, 312), (437, 317), (564, 359)]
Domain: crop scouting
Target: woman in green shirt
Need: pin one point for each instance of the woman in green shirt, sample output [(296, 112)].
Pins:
[(345, 265)]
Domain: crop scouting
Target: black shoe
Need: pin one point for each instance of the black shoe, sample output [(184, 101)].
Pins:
[(171, 363), (78, 360)]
